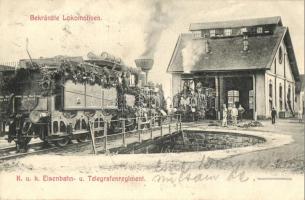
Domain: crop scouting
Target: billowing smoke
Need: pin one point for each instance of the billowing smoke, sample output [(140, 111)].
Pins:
[(157, 22), (191, 54)]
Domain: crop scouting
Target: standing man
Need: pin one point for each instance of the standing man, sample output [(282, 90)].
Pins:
[(300, 115), (273, 115), (234, 115), (224, 115), (241, 111)]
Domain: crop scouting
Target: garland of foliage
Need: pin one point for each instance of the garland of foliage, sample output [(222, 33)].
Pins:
[(50, 79)]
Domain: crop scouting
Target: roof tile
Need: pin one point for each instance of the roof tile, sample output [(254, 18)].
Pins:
[(228, 54)]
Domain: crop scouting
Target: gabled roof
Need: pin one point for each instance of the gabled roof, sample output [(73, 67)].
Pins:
[(227, 53), (291, 56), (301, 83), (236, 23)]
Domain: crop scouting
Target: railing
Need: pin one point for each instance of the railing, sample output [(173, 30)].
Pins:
[(132, 130), (11, 64)]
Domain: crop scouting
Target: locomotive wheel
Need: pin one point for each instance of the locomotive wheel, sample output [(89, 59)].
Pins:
[(131, 125), (82, 138), (116, 126), (46, 143), (62, 142), (22, 145)]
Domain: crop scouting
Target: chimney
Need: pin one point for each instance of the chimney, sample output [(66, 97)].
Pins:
[(245, 43)]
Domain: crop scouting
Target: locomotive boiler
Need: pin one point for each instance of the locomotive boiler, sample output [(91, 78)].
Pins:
[(54, 99)]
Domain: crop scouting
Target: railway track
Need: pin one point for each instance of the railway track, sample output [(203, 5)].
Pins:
[(41, 148), (9, 153), (35, 148), (113, 141)]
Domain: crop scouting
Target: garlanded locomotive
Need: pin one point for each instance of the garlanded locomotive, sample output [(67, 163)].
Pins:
[(195, 102), (55, 99)]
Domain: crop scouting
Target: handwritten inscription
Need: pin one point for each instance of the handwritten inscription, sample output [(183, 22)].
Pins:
[(177, 172)]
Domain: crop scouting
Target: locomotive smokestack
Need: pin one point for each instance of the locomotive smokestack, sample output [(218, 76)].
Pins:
[(145, 64)]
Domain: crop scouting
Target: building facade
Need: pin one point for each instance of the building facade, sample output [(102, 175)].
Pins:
[(300, 104), (248, 62)]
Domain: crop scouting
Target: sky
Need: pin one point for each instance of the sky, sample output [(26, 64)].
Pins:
[(129, 29)]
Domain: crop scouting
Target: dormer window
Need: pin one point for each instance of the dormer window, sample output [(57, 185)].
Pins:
[(259, 30), (228, 32), (245, 43), (243, 30), (196, 34), (212, 33)]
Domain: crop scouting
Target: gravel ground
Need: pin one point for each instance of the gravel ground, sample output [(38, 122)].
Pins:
[(257, 173), (287, 157)]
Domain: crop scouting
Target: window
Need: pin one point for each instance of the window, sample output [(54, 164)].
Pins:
[(245, 43), (281, 97), (212, 33), (62, 127), (228, 32), (233, 97), (270, 96), (289, 99), (259, 30), (83, 124), (251, 99), (289, 94), (96, 123), (280, 55), (55, 127), (270, 89), (196, 34), (292, 98), (101, 122), (243, 30), (77, 125)]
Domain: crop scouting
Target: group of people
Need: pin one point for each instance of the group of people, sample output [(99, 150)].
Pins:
[(233, 112)]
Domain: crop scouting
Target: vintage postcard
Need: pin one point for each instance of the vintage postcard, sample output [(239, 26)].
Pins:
[(152, 99)]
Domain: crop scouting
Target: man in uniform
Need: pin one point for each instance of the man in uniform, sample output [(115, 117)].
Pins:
[(224, 116), (241, 111), (234, 115), (273, 115)]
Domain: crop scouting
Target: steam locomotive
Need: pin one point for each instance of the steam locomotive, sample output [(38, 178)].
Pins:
[(55, 99)]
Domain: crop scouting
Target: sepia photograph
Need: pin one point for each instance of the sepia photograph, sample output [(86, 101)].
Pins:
[(152, 99)]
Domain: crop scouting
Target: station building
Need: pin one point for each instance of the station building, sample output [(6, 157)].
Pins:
[(249, 62)]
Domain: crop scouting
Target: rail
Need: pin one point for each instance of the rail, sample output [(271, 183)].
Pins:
[(131, 130)]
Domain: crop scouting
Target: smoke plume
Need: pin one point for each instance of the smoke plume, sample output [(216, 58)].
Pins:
[(191, 54), (157, 22)]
